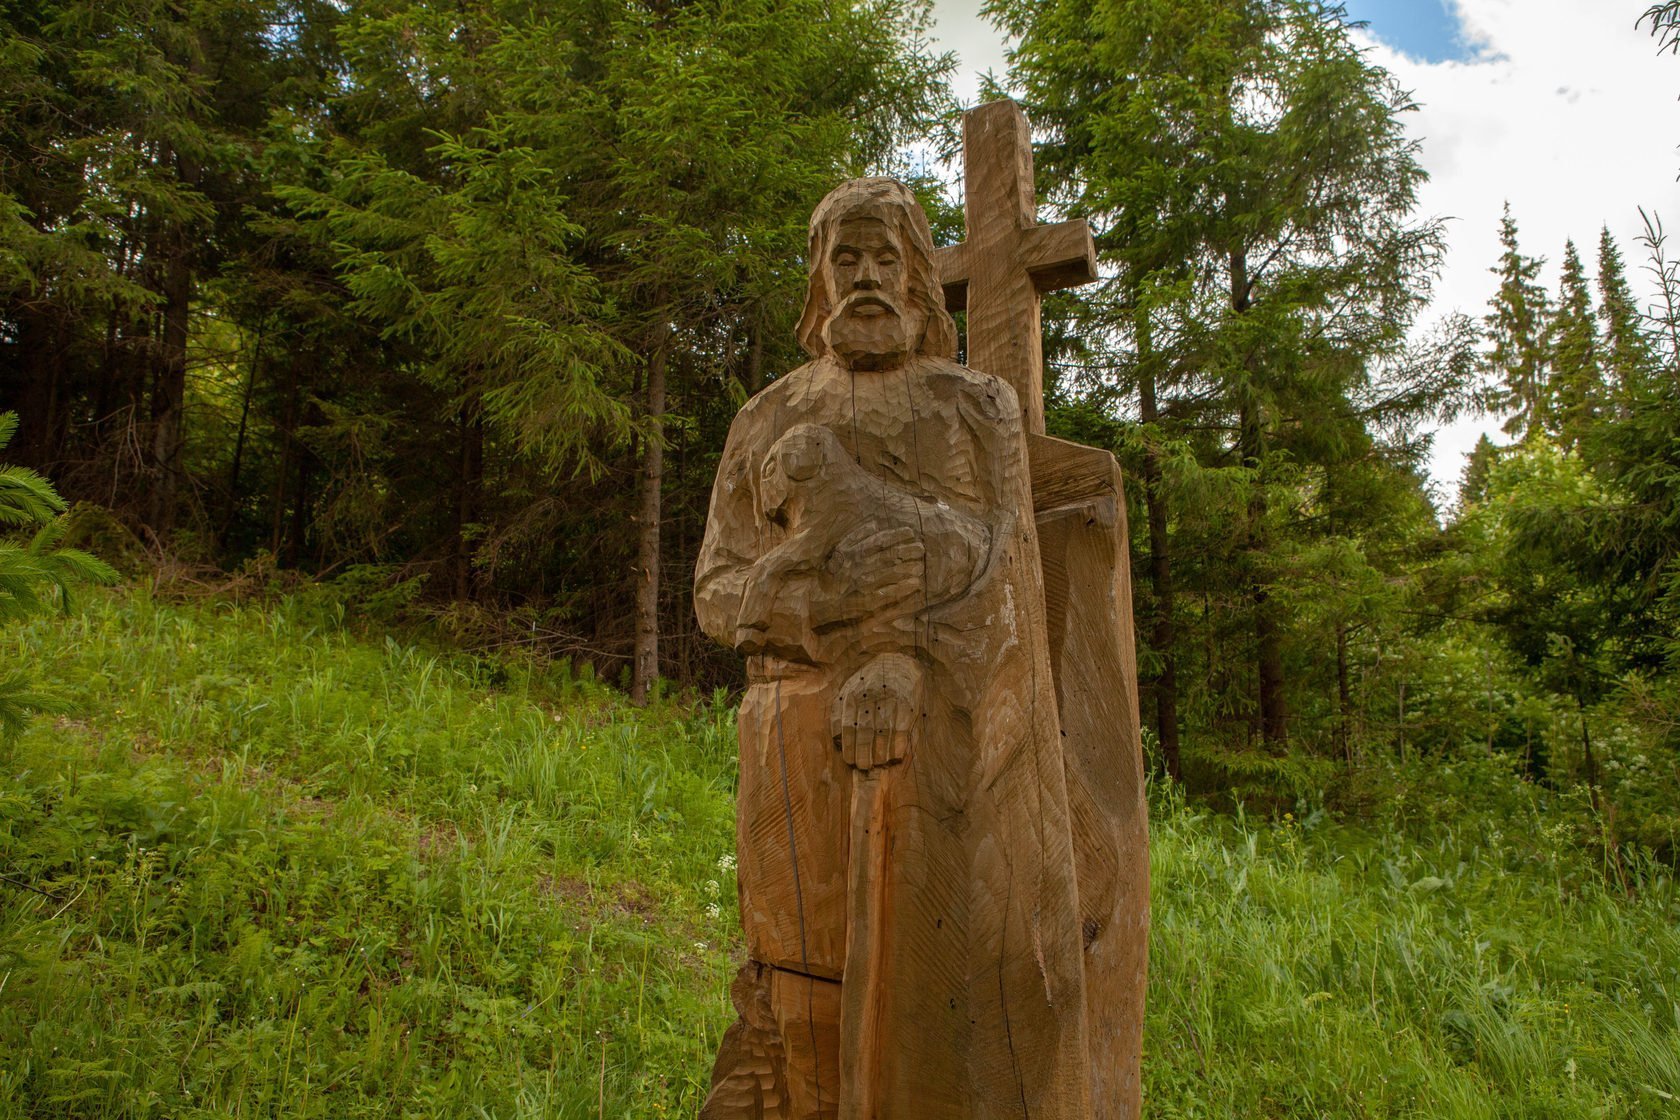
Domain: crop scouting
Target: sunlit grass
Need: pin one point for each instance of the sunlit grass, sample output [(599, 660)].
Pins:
[(289, 872), (274, 868)]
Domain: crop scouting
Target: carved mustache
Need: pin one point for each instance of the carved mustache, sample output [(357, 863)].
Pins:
[(866, 299)]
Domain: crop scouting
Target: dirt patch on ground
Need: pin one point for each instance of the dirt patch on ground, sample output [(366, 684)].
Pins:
[(439, 839), (623, 899), (566, 888)]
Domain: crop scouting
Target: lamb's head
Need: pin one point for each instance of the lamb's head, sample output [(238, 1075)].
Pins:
[(795, 466)]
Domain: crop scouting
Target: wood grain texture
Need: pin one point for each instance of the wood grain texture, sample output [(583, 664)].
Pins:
[(942, 861), (1007, 260), (1080, 506)]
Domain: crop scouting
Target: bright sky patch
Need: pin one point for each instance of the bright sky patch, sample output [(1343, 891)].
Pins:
[(1427, 30)]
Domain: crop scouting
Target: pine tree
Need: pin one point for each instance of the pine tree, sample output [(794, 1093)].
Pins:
[(1576, 383), (153, 111), (1478, 469), (1518, 361), (1665, 24), (579, 226), (1626, 347)]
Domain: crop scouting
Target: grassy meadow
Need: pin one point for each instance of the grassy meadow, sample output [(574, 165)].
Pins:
[(270, 865)]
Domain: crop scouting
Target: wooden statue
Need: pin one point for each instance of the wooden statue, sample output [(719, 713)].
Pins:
[(942, 850)]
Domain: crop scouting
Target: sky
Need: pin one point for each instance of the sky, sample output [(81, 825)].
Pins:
[(1563, 108), (1423, 29)]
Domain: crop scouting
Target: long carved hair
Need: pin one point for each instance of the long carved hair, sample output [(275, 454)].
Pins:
[(890, 202)]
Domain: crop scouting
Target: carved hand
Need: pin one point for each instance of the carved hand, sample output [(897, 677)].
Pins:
[(878, 711)]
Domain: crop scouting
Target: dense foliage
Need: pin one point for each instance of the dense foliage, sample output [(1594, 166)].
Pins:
[(1303, 598), (34, 570), (470, 289), (1253, 190), (451, 305)]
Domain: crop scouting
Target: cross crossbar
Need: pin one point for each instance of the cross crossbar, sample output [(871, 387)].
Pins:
[(1000, 272)]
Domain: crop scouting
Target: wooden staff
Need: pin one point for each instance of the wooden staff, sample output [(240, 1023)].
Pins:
[(862, 989), (876, 755)]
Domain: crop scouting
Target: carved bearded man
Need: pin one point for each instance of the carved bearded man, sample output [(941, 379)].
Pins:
[(905, 863)]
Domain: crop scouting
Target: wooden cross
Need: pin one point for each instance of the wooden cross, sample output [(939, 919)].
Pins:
[(998, 275), (1008, 261)]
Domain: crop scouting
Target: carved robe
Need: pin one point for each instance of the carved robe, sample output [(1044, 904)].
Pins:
[(976, 1007)]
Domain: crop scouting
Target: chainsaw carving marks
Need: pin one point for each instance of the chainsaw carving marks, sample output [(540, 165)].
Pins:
[(918, 943)]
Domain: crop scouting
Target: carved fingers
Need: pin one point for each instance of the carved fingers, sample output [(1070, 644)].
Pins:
[(878, 711), (882, 552)]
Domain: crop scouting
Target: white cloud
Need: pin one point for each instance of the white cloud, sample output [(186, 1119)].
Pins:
[(1570, 114), (1567, 111), (959, 27)]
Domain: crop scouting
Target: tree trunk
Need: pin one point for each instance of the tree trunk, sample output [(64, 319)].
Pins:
[(1163, 635), (1344, 695), (755, 354), (239, 439), (40, 367), (297, 536), (106, 390), (645, 663), (288, 451), (469, 485), (1400, 717), (1587, 758), (1274, 713), (1268, 647), (169, 390), (1251, 446)]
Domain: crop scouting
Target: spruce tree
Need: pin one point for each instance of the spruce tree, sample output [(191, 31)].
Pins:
[(153, 112), (1576, 383), (1478, 470), (1254, 185), (1664, 19), (1626, 347), (578, 229), (1518, 361)]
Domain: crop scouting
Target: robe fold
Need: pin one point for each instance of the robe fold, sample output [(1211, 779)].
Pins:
[(977, 1006)]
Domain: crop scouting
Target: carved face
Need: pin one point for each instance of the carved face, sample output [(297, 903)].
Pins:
[(872, 232), (875, 324)]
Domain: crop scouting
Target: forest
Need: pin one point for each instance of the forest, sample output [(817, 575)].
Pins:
[(418, 328), (453, 306)]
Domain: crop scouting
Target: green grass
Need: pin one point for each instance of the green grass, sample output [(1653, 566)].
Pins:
[(294, 873), (290, 871), (1483, 969)]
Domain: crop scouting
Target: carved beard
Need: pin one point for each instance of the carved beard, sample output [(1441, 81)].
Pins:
[(865, 339)]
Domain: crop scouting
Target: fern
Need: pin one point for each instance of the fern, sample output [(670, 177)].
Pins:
[(34, 572)]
